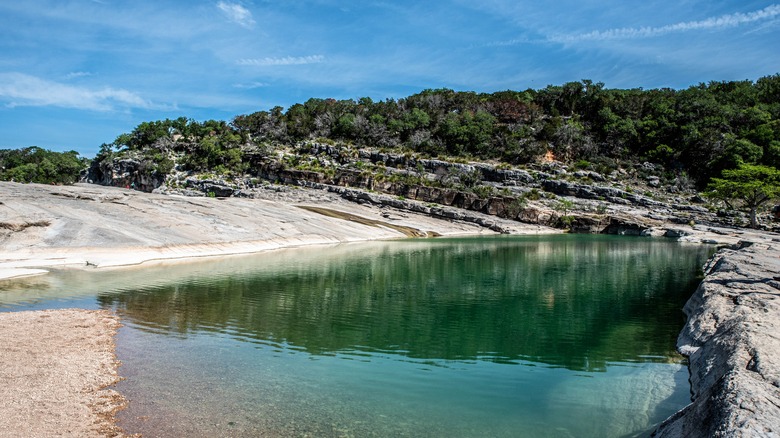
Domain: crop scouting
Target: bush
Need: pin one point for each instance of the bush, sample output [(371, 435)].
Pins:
[(582, 164)]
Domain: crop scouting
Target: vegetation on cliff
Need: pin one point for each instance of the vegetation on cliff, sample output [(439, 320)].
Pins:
[(699, 131)]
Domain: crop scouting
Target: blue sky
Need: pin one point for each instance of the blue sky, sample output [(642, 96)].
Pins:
[(75, 74)]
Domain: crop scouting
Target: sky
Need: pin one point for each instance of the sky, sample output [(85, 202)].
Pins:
[(75, 74)]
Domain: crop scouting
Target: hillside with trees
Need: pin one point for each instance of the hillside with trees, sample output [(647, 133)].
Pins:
[(699, 131), (661, 144)]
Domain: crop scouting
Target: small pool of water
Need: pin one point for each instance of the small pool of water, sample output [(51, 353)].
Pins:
[(569, 336)]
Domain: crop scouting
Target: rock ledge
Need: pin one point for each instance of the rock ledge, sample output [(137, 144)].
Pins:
[(731, 339)]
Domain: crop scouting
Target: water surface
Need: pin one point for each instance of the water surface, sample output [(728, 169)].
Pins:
[(504, 336)]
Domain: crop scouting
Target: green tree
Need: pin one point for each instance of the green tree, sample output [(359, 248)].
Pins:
[(36, 165), (468, 133), (748, 186), (731, 152)]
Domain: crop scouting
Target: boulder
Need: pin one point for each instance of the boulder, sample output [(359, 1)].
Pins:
[(626, 226), (676, 233), (654, 181), (595, 176), (586, 224), (218, 189)]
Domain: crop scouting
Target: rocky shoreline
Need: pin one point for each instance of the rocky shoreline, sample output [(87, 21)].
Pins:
[(733, 344), (88, 226)]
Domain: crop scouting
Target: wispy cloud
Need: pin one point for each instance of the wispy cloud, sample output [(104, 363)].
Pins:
[(251, 85), (724, 21), (512, 42), (77, 74), (19, 89), (237, 14), (288, 60)]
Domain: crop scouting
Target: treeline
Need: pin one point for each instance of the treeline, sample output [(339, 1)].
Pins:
[(213, 145), (36, 165), (702, 130), (699, 131)]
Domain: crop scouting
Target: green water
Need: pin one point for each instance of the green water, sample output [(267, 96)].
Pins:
[(569, 336)]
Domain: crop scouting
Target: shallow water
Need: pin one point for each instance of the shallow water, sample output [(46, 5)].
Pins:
[(505, 336)]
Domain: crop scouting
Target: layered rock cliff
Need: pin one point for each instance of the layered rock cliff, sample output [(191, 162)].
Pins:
[(631, 200)]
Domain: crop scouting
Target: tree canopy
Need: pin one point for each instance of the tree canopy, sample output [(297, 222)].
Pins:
[(698, 132), (33, 164), (701, 130)]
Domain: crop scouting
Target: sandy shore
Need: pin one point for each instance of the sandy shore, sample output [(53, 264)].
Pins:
[(87, 226), (54, 368)]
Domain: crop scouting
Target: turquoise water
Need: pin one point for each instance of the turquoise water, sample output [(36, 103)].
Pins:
[(569, 336)]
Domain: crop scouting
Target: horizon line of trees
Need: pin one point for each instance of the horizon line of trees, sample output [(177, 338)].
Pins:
[(700, 131)]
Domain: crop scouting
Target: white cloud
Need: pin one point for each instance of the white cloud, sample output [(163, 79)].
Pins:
[(724, 21), (512, 42), (251, 85), (19, 89), (77, 74), (237, 14), (288, 60)]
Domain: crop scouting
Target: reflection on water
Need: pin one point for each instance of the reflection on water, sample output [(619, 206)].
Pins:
[(558, 335)]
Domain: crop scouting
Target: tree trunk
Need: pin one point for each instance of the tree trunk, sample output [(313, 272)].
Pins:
[(753, 220)]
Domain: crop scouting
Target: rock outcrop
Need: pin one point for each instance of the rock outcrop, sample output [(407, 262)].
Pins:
[(544, 193), (732, 344), (611, 194), (125, 173)]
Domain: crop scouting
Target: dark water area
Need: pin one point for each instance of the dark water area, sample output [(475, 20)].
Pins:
[(504, 336)]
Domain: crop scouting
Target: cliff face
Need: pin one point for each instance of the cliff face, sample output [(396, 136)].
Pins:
[(731, 339), (124, 173)]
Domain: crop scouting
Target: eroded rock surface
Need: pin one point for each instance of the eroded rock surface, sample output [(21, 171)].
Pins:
[(731, 338)]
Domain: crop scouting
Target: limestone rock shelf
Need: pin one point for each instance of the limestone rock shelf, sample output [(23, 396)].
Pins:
[(732, 339)]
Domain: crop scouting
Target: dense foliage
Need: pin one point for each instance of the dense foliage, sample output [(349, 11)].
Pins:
[(701, 130), (698, 132), (208, 146), (37, 165)]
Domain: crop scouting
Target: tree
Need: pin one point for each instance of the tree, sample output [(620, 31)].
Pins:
[(468, 133), (731, 152), (262, 126), (749, 186), (36, 165)]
